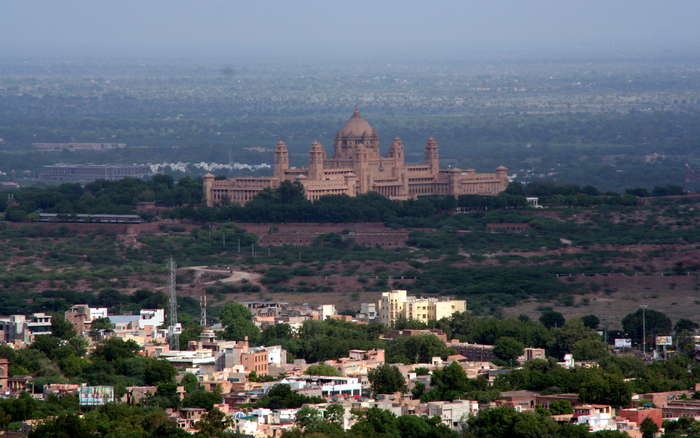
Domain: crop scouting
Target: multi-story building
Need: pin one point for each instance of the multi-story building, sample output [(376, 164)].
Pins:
[(38, 324), (326, 310), (473, 352), (396, 304), (4, 375), (82, 315), (255, 359), (455, 413), (530, 353), (358, 167), (151, 318)]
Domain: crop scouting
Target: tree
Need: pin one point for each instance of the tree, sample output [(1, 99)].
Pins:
[(386, 379), (375, 422), (449, 383), (589, 349), (213, 424), (604, 388), (656, 323), (281, 396), (551, 319), (416, 349), (558, 407), (158, 371), (237, 320), (190, 382), (591, 321), (334, 413), (65, 426), (307, 417), (508, 349), (61, 328), (506, 422), (321, 370), (685, 324), (114, 349), (567, 336), (648, 428), (101, 324), (234, 311)]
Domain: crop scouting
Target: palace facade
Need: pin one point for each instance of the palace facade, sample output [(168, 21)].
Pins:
[(358, 167)]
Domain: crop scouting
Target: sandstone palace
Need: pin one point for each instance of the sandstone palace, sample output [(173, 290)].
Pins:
[(357, 167)]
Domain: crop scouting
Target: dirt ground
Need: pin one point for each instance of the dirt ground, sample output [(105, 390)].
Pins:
[(676, 296)]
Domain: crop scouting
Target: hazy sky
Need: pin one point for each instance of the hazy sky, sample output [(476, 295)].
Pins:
[(274, 27)]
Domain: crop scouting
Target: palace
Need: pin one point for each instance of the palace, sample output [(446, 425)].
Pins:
[(358, 167)]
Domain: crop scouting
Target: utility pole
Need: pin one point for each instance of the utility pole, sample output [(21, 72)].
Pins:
[(644, 329), (173, 336)]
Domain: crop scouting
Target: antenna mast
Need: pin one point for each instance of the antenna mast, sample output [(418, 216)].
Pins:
[(203, 309), (173, 336)]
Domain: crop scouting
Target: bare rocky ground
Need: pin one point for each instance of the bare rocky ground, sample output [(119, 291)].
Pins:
[(676, 296)]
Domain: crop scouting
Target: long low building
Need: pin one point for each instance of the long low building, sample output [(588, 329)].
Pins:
[(92, 172), (91, 218), (358, 167), (77, 146)]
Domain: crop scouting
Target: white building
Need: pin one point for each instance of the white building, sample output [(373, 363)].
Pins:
[(327, 310), (454, 413), (151, 318), (328, 385), (368, 310), (276, 355)]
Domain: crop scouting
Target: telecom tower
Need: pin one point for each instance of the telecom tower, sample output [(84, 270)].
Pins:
[(173, 336), (203, 309)]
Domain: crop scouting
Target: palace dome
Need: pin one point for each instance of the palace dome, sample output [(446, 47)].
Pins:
[(357, 127)]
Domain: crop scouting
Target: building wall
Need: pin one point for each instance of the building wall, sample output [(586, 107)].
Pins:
[(4, 375), (357, 167), (396, 304), (256, 361), (639, 415)]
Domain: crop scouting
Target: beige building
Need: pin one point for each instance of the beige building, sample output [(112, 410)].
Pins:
[(358, 167), (397, 304)]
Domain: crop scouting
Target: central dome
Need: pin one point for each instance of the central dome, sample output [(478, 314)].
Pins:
[(357, 127)]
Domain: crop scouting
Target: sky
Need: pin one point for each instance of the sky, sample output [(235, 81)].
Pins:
[(412, 28)]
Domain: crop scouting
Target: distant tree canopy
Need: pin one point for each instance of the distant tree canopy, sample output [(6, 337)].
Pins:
[(102, 196), (653, 322)]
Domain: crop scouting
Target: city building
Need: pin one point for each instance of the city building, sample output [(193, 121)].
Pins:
[(74, 147), (82, 315), (327, 310), (396, 304), (92, 172), (368, 311), (530, 353), (357, 167), (473, 352), (453, 413), (637, 415), (325, 386), (4, 375), (38, 324), (91, 218), (151, 318)]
